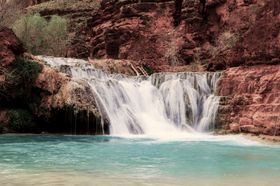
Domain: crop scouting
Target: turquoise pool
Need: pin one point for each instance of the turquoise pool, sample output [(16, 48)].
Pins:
[(107, 160)]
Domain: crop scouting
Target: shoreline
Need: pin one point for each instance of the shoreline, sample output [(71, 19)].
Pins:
[(271, 140)]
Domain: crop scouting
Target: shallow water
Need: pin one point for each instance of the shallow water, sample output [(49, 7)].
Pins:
[(106, 160)]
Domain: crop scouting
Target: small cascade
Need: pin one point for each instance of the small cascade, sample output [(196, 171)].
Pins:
[(164, 103)]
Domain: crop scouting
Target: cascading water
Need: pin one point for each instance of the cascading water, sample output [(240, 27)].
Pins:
[(162, 104)]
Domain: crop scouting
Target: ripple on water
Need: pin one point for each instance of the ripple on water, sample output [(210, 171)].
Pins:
[(89, 160)]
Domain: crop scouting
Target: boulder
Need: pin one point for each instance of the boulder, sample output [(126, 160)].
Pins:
[(10, 46)]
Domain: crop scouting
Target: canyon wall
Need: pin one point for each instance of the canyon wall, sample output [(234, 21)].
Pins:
[(241, 37), (250, 100)]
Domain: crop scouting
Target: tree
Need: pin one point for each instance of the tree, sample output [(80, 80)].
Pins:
[(56, 35), (42, 37)]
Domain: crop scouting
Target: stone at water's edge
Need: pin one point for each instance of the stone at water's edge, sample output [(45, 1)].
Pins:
[(251, 100)]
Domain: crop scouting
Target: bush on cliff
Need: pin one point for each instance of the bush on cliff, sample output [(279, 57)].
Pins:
[(21, 121), (25, 71), (41, 36), (18, 81)]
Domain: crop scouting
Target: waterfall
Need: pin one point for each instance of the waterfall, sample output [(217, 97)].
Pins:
[(164, 103)]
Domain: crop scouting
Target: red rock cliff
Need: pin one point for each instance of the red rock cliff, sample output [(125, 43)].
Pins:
[(176, 32), (251, 99), (10, 46)]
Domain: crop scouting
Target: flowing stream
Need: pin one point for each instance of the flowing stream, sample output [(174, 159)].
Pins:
[(163, 104)]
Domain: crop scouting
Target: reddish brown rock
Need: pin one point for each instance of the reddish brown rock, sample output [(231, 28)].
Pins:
[(251, 99), (256, 27), (152, 32), (49, 81), (10, 46), (167, 33)]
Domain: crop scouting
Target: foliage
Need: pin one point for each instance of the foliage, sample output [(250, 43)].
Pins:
[(41, 36), (19, 79), (225, 41), (56, 33), (21, 121), (5, 78), (148, 69), (26, 71), (10, 11)]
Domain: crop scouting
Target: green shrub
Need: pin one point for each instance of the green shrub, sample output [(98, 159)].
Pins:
[(30, 29), (41, 36), (19, 80), (148, 69), (26, 71), (21, 121), (56, 33)]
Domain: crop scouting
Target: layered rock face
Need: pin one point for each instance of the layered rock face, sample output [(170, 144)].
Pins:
[(251, 100), (177, 32), (151, 32)]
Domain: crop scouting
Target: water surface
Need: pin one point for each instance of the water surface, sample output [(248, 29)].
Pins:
[(105, 160)]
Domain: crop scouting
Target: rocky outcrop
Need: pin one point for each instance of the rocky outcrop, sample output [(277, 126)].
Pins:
[(31, 90), (10, 47), (250, 100), (66, 106)]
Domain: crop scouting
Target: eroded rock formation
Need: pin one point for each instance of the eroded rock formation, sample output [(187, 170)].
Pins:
[(251, 100), (10, 46), (52, 100), (155, 33)]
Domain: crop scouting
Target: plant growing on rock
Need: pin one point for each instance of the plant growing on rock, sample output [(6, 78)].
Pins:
[(21, 121), (41, 36), (225, 41), (19, 79), (26, 70)]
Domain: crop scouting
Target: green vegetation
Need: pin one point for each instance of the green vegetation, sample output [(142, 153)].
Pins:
[(148, 69), (26, 71), (41, 36), (19, 79), (21, 121)]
